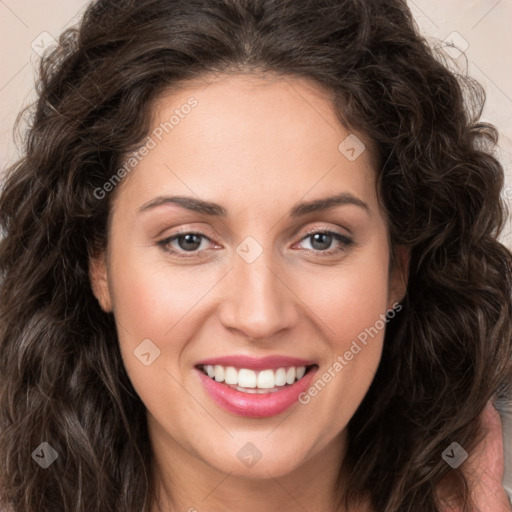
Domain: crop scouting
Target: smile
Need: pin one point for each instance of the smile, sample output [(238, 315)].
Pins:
[(255, 388), (250, 381)]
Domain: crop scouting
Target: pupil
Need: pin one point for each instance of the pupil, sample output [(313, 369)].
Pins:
[(191, 242), (323, 239)]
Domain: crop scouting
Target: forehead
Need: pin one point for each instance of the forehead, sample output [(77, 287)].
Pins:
[(246, 137)]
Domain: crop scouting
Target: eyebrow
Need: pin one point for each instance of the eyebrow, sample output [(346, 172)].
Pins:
[(345, 198), (216, 210), (190, 203)]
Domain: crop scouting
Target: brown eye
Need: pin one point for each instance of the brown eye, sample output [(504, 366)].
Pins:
[(189, 242)]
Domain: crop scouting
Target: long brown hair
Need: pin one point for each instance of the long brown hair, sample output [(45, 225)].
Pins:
[(445, 355)]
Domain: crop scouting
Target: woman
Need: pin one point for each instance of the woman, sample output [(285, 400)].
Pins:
[(251, 261)]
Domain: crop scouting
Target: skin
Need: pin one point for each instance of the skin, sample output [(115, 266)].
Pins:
[(484, 469), (256, 147), (486, 465)]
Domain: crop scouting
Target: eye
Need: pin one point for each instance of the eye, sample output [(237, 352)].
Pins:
[(321, 241), (191, 243), (182, 243)]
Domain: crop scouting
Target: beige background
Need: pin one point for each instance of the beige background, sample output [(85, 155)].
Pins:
[(482, 28)]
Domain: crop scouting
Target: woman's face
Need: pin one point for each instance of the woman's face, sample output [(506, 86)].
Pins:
[(253, 162)]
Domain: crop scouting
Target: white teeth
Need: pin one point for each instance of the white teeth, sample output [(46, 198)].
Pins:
[(250, 379), (219, 373), (281, 376), (246, 378), (266, 379), (290, 375), (231, 375)]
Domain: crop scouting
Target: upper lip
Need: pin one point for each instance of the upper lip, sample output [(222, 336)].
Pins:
[(256, 363)]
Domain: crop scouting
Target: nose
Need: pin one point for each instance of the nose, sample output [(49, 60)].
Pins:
[(258, 303)]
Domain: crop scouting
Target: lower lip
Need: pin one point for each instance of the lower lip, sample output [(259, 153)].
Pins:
[(256, 405)]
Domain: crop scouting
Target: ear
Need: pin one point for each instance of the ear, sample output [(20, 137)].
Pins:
[(399, 276), (98, 275)]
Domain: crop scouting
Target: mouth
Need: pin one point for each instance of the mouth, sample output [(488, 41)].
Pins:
[(257, 392), (246, 380)]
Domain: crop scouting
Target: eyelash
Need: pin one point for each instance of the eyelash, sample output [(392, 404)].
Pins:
[(344, 240)]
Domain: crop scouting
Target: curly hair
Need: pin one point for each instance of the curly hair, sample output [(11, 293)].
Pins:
[(446, 354)]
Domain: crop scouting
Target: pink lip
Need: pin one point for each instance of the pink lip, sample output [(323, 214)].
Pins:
[(254, 405), (253, 363)]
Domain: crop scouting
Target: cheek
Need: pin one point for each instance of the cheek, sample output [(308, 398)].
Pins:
[(349, 298), (349, 306), (150, 298), (154, 301)]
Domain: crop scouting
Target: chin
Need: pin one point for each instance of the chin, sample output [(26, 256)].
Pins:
[(255, 460)]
